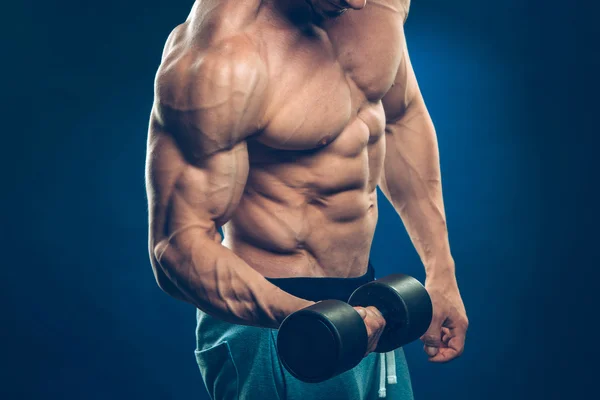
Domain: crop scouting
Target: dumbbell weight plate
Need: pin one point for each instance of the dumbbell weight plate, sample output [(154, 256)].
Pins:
[(322, 340)]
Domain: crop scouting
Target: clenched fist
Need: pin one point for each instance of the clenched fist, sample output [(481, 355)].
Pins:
[(445, 338), (375, 324)]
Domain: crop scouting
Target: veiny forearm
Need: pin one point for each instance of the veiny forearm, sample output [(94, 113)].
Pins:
[(412, 183), (220, 283)]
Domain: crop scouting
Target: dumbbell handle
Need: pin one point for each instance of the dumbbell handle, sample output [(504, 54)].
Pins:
[(403, 302)]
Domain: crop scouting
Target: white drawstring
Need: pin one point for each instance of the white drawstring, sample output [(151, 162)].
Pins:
[(382, 375), (387, 363), (391, 368)]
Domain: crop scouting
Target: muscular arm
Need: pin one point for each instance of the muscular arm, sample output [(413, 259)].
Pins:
[(412, 178), (197, 167), (412, 182)]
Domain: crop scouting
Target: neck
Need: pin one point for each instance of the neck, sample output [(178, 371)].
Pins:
[(235, 12)]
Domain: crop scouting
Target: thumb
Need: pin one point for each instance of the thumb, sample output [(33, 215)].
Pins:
[(432, 339)]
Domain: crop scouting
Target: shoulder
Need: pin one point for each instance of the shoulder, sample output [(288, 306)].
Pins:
[(232, 63), (401, 7), (217, 91)]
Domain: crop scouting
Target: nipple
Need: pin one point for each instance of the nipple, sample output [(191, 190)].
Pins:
[(325, 140)]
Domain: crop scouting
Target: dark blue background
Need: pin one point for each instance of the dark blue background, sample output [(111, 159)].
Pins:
[(511, 88)]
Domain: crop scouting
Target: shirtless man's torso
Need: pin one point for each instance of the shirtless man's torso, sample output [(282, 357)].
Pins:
[(277, 120)]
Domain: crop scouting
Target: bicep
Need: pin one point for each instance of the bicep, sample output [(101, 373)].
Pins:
[(205, 107), (209, 191), (182, 196), (202, 195), (198, 160)]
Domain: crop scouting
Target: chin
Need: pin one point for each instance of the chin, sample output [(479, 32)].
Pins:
[(327, 9)]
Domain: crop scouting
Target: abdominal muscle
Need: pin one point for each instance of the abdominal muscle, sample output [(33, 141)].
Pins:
[(284, 242), (308, 213)]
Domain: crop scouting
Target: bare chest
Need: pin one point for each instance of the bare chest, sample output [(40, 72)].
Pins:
[(331, 80)]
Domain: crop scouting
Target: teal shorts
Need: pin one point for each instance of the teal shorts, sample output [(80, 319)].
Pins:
[(240, 362)]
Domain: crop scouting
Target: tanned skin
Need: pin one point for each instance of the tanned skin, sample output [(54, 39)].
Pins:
[(277, 120)]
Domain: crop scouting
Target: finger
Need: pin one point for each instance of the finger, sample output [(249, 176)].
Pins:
[(452, 350), (432, 339), (367, 319), (361, 311), (375, 311), (372, 311), (446, 336), (433, 336), (376, 315), (444, 355), (375, 322), (431, 351), (457, 342)]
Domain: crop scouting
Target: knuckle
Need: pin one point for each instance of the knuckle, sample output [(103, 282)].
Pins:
[(428, 339), (376, 311), (373, 310)]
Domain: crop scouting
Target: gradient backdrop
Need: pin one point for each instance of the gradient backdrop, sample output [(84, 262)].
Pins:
[(84, 318)]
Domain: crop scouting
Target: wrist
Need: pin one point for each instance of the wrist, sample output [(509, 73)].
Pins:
[(294, 305), (440, 268)]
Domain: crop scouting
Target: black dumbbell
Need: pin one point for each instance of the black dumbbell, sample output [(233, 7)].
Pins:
[(330, 337)]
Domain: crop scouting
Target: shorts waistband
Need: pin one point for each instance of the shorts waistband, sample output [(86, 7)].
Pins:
[(323, 288)]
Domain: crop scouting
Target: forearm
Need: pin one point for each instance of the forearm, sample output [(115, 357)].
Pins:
[(220, 283), (412, 183)]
